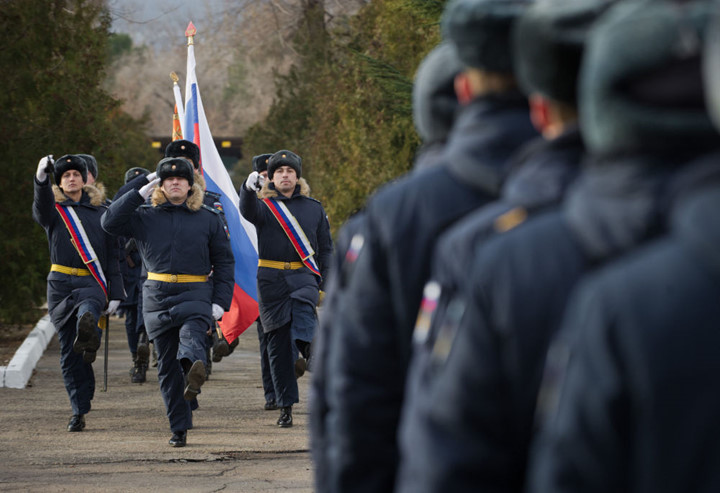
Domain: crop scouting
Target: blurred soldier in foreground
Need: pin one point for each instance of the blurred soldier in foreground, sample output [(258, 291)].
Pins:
[(548, 44), (84, 274), (181, 242), (434, 109), (292, 228), (370, 346), (638, 397), (642, 125)]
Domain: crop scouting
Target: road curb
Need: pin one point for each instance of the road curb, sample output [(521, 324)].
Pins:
[(17, 373)]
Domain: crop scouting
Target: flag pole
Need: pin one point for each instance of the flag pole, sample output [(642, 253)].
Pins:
[(179, 113), (107, 352)]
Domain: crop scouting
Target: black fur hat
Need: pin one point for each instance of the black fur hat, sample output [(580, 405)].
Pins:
[(434, 101), (175, 166), (260, 162), (549, 39), (186, 149), (284, 158), (481, 31), (91, 164), (641, 79), (133, 173), (68, 162)]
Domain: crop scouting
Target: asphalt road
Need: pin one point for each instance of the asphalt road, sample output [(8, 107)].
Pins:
[(235, 445)]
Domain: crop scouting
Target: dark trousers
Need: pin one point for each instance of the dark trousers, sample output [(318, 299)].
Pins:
[(267, 381), (78, 376), (282, 366), (131, 327), (193, 340), (172, 380)]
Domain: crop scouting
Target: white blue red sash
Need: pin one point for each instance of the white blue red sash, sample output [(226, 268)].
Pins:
[(295, 233), (81, 242)]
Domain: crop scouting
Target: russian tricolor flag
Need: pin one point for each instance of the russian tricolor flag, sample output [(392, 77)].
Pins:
[(244, 309)]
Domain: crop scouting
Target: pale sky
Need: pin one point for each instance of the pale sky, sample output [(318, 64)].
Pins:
[(148, 21)]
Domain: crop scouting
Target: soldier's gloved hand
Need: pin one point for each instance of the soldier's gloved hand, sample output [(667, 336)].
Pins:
[(147, 190), (253, 182), (151, 176), (217, 311), (41, 172), (112, 307)]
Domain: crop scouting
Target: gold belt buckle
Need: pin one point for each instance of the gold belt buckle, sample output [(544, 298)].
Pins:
[(74, 271), (288, 266), (173, 278)]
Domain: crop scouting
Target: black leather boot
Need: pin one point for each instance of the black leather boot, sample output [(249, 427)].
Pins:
[(285, 419), (179, 439), (77, 423)]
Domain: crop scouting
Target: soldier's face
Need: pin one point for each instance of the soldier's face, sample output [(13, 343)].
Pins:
[(176, 189), (71, 181), (285, 179)]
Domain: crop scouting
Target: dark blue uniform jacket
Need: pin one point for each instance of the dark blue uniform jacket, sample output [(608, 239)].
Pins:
[(277, 288), (639, 404), (63, 291), (332, 307), (540, 173), (371, 345), (472, 421), (176, 239)]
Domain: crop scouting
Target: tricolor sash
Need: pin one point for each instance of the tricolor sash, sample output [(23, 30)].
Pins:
[(81, 242), (294, 232)]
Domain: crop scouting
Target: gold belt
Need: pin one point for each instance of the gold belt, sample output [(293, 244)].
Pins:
[(71, 271), (154, 276), (276, 264)]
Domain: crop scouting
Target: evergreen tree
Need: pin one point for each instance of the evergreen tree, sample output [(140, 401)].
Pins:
[(53, 63), (346, 107)]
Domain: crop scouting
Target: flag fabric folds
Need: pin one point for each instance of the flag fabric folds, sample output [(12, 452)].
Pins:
[(244, 309), (176, 128)]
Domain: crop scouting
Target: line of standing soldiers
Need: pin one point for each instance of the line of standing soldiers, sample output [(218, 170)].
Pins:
[(539, 313)]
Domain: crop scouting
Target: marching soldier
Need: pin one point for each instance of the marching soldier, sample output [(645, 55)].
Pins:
[(259, 165), (133, 278), (292, 229), (181, 241), (84, 273), (189, 150)]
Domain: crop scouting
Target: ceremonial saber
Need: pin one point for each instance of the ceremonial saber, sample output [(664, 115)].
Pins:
[(107, 351)]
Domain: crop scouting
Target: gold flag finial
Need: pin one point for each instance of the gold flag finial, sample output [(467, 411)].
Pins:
[(190, 32), (174, 77)]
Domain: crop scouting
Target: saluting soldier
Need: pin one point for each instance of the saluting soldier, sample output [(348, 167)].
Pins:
[(259, 165), (181, 241), (294, 246), (84, 272), (189, 150)]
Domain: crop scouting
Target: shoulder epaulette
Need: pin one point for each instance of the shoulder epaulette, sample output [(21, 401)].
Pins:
[(214, 195), (211, 209)]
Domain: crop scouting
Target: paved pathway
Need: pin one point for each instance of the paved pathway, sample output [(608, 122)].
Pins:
[(234, 446)]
